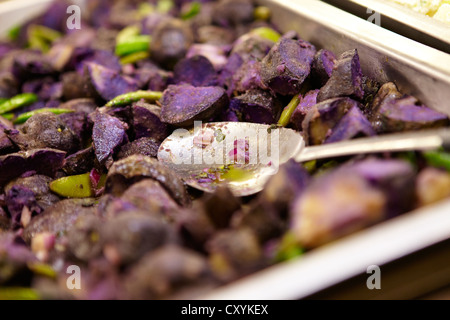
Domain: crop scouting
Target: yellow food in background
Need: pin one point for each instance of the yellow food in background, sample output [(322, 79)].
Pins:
[(437, 9)]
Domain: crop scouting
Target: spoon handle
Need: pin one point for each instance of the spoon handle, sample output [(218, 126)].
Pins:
[(419, 140)]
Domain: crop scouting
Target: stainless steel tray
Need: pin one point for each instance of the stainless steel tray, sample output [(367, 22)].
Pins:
[(416, 69), (402, 20)]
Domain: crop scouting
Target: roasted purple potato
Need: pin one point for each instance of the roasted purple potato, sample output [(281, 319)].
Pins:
[(84, 112)]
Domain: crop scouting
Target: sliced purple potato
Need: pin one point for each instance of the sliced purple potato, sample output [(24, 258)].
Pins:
[(220, 207), (323, 65), (39, 186), (59, 218), (79, 124), (77, 86), (177, 269), (353, 124), (261, 218), (109, 83), (229, 69), (196, 71), (108, 135), (8, 85), (85, 240), (145, 146), (80, 105), (248, 77), (135, 168), (306, 103), (181, 105), (147, 121), (234, 253), (130, 235), (334, 205), (80, 162), (286, 185), (46, 130), (256, 106), (31, 64), (323, 117), (252, 47), (392, 112), (396, 178), (231, 13), (346, 79), (287, 66), (170, 42), (216, 54), (148, 195)]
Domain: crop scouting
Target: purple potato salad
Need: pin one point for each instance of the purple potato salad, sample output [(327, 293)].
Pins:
[(84, 111)]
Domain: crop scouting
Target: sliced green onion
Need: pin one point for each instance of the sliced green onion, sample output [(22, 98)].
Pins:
[(14, 32), (164, 6), (27, 115), (18, 101), (288, 111), (42, 269), (310, 166), (78, 186), (194, 9), (288, 248), (262, 13), (145, 9), (44, 33), (126, 33), (134, 57), (267, 33), (8, 116), (133, 44), (18, 293), (438, 159), (127, 98)]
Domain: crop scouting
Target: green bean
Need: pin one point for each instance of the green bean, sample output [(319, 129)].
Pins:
[(133, 44), (194, 9), (438, 159), (288, 248), (18, 293), (267, 33), (134, 57), (126, 33), (127, 98), (78, 186), (27, 115), (18, 101), (288, 111)]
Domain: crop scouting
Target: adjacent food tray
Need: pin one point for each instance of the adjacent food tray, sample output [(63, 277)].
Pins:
[(402, 20), (417, 70)]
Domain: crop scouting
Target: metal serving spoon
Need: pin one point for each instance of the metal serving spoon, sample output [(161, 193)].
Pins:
[(245, 155)]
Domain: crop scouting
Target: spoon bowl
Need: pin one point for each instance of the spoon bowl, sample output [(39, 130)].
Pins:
[(243, 156)]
